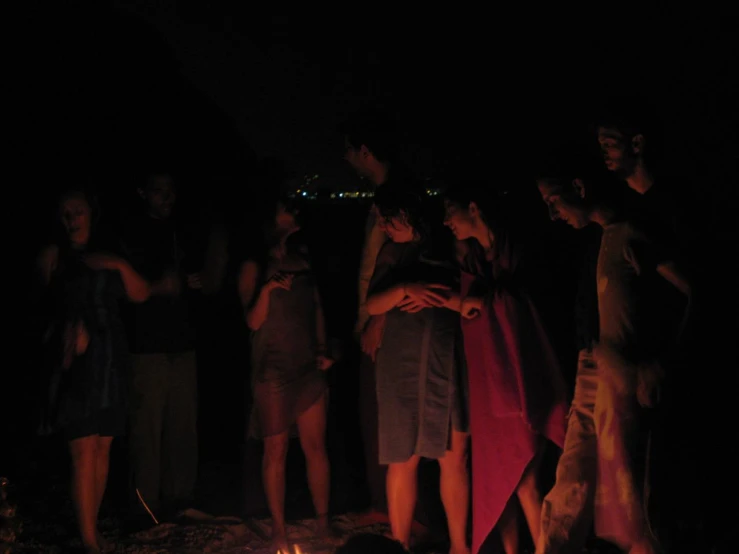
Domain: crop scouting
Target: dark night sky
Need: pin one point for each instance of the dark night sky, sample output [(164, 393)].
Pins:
[(208, 83), (284, 80)]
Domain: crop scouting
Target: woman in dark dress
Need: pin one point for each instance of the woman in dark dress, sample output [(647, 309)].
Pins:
[(288, 363), (420, 391), (88, 353)]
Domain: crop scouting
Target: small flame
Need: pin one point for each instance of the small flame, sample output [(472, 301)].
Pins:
[(296, 550)]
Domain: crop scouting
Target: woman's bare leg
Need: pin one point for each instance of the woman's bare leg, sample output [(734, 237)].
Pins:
[(508, 526), (455, 491), (273, 475), (102, 464), (529, 495), (84, 488), (402, 490), (312, 429)]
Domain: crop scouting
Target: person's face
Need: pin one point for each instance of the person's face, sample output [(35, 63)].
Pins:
[(399, 230), (464, 222), (562, 204), (76, 217), (160, 196), (356, 157), (286, 219), (618, 152)]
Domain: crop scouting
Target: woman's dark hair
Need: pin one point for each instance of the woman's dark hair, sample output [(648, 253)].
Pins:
[(422, 212), (488, 200), (397, 202), (260, 232)]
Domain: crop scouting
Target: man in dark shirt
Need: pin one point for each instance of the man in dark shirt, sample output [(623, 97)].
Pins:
[(163, 411), (627, 136)]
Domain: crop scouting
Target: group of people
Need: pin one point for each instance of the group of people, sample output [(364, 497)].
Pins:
[(455, 355), (456, 350), (119, 345)]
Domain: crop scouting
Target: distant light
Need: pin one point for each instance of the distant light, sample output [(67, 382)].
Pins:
[(305, 194)]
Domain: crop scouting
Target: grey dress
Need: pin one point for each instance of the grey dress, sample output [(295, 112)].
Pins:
[(285, 378), (418, 364)]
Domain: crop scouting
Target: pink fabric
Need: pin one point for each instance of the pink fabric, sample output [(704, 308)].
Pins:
[(516, 395)]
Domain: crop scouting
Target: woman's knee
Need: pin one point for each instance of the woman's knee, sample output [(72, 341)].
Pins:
[(275, 449)]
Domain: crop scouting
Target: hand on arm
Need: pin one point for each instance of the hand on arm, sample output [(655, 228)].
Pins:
[(470, 307)]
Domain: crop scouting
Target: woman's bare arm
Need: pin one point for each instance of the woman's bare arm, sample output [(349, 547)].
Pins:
[(320, 323), (137, 288), (255, 299), (381, 302)]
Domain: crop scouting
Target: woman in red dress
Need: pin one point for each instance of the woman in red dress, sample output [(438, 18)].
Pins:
[(517, 398)]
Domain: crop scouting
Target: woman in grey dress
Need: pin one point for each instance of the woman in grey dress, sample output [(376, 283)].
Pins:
[(420, 391), (288, 364)]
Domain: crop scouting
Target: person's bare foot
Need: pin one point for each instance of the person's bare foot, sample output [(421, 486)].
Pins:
[(326, 531), (279, 542)]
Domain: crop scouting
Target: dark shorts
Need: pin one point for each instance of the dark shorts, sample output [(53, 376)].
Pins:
[(110, 422)]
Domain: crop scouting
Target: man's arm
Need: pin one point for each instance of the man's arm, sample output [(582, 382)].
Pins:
[(375, 238)]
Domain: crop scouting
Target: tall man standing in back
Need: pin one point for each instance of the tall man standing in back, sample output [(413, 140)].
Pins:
[(163, 411), (370, 150)]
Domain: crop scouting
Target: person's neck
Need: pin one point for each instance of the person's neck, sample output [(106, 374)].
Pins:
[(604, 216), (485, 237), (641, 180), (378, 173)]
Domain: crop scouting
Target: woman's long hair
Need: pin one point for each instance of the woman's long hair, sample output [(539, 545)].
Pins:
[(422, 212), (489, 201), (262, 233)]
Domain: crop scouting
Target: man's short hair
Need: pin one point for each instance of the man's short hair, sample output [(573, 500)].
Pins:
[(374, 128)]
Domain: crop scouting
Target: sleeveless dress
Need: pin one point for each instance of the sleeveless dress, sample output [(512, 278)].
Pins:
[(285, 380), (418, 370), (95, 384)]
